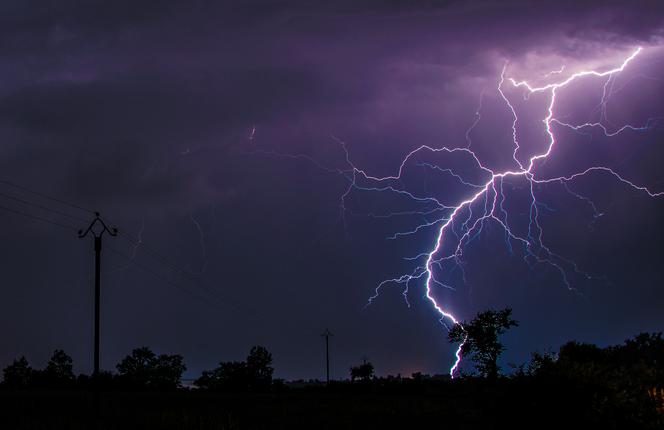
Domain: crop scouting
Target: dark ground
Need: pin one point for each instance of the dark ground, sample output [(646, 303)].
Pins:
[(466, 404)]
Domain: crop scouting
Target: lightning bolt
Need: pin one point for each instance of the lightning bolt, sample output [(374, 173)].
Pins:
[(489, 195), (459, 223), (478, 118), (201, 241)]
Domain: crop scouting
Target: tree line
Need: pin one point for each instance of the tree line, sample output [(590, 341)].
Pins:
[(620, 385), (142, 370), (630, 372)]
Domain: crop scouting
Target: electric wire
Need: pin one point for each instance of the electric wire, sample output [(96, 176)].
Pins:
[(156, 255), (45, 196), (155, 274), (39, 206), (36, 217)]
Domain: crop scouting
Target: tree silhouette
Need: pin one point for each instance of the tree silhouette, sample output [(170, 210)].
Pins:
[(168, 371), (259, 367), (59, 369), (229, 375), (479, 339), (18, 374), (144, 369), (253, 374), (616, 382), (363, 372), (136, 368)]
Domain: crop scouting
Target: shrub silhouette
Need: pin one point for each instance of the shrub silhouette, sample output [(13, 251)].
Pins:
[(144, 369)]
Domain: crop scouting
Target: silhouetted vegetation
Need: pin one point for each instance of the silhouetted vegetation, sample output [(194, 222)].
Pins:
[(57, 374), (584, 385), (17, 375), (363, 372), (479, 339), (254, 374), (617, 381), (143, 369)]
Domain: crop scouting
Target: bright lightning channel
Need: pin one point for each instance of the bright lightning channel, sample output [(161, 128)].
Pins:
[(491, 191)]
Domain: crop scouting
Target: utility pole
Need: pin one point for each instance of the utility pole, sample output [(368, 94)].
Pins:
[(97, 228), (326, 334)]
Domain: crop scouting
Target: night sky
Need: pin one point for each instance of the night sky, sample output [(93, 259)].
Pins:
[(214, 135)]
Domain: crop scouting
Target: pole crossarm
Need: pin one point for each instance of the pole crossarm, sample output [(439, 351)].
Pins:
[(112, 231)]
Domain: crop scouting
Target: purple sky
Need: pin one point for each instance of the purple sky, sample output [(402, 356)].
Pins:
[(146, 113)]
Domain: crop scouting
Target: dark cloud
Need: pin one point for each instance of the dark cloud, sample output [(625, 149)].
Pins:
[(145, 110)]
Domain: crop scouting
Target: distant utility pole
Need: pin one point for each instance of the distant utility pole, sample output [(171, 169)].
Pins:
[(97, 228), (326, 334)]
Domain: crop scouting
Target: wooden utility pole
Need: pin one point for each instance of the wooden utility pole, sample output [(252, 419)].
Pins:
[(97, 228), (326, 334)]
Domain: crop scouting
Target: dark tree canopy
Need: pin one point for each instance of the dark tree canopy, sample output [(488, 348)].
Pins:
[(58, 373), (229, 375), (138, 366), (144, 369), (622, 382), (18, 374), (253, 374), (479, 339), (259, 366), (363, 372), (60, 367), (640, 358)]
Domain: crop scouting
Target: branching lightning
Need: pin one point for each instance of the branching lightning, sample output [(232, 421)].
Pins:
[(458, 223)]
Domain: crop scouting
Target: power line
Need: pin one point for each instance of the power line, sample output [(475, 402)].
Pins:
[(166, 262), (25, 202), (159, 257), (45, 196), (156, 275), (155, 254), (212, 293), (134, 241), (38, 218), (138, 243)]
